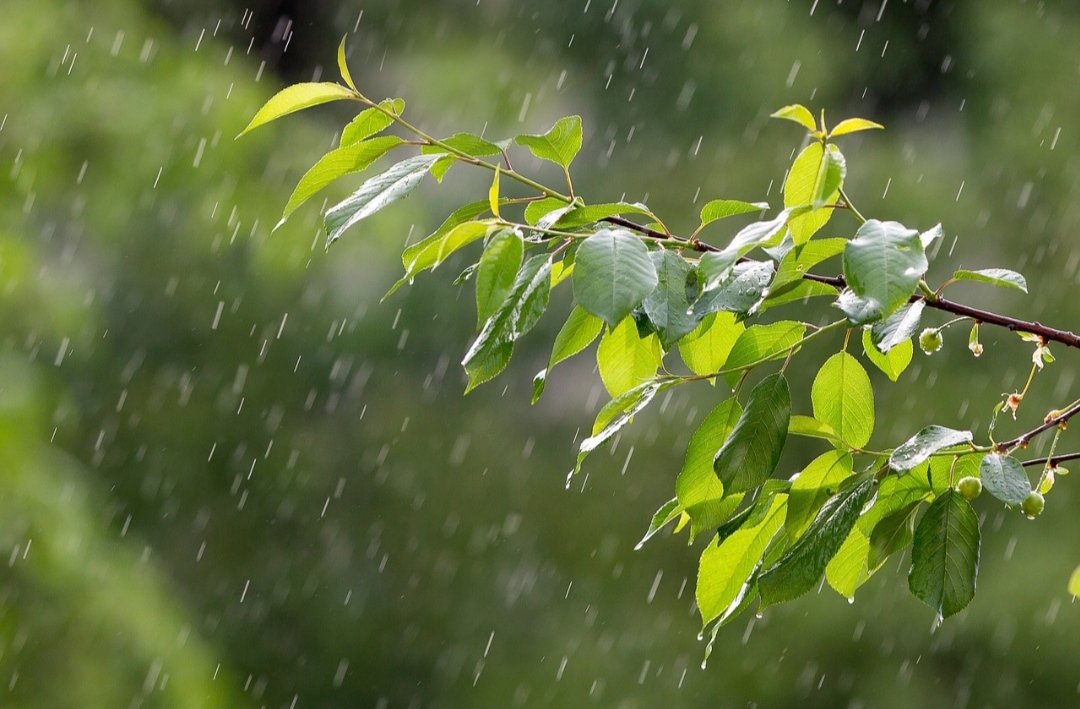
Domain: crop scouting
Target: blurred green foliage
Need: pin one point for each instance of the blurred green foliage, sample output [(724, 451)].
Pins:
[(231, 478)]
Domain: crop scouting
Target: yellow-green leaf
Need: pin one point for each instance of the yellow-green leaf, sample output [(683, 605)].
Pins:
[(296, 98), (799, 114), (626, 360), (853, 125), (343, 66)]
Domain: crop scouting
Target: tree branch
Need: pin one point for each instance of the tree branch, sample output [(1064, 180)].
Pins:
[(1049, 334), (1023, 439), (1053, 460)]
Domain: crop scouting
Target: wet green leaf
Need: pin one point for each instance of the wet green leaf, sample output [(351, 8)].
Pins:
[(375, 194), (612, 274), (725, 566), (336, 163), (917, 449), (1003, 477), (668, 305), (625, 359), (897, 328), (882, 265), (698, 488), (524, 304), (800, 569), (706, 348), (843, 399), (892, 364), (738, 291), (617, 413), (496, 272), (945, 555), (819, 481), (750, 454)]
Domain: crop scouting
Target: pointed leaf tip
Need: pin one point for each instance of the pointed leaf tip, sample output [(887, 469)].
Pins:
[(343, 67)]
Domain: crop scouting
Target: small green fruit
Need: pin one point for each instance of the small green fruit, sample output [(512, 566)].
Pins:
[(969, 487), (931, 340), (1033, 505)]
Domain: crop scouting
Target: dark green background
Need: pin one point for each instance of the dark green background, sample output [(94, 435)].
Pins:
[(230, 477)]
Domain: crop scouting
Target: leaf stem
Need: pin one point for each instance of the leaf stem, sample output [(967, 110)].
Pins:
[(461, 154), (851, 207)]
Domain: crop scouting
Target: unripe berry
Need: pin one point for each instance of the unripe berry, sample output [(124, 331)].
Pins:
[(931, 340), (1033, 505), (969, 487)]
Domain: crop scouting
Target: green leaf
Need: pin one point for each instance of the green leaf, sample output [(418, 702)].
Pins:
[(714, 265), (559, 145), (1003, 477), (378, 192), (723, 208), (668, 512), (534, 211), (810, 427), (852, 125), (370, 121), (336, 163), (738, 291), (706, 348), (897, 328), (800, 190), (800, 569), (496, 272), (433, 250), (843, 399), (524, 304), (917, 449), (697, 488), (581, 215), (760, 343), (295, 98), (617, 413), (580, 329), (799, 114), (612, 274), (668, 304), (725, 566), (994, 276), (894, 362), (883, 265), (848, 569), (830, 177), (471, 145), (749, 456), (343, 66), (945, 555), (892, 534), (799, 260), (795, 292), (625, 359), (819, 481)]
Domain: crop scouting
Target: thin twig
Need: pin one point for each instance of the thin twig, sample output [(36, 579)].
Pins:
[(1023, 439), (1052, 460)]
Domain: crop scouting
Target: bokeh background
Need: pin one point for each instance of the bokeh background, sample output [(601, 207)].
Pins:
[(230, 477)]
